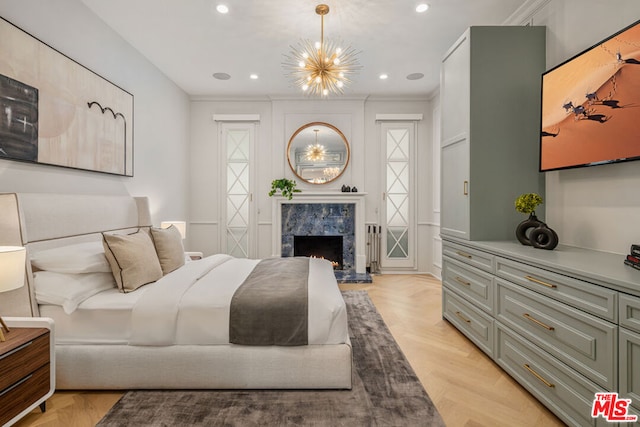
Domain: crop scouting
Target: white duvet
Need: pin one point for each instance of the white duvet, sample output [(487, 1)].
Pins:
[(191, 304)]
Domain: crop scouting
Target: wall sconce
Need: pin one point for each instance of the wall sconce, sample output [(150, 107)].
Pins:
[(12, 261), (180, 225)]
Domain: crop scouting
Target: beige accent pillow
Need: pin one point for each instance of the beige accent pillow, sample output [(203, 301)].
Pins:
[(132, 258), (168, 243)]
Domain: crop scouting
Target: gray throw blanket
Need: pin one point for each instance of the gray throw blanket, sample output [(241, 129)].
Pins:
[(271, 307)]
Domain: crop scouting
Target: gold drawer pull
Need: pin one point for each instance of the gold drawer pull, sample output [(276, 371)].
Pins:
[(464, 254), (538, 376), (537, 322), (540, 282), (462, 281), (462, 317)]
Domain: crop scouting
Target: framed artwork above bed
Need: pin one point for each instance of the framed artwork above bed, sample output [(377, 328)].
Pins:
[(55, 111)]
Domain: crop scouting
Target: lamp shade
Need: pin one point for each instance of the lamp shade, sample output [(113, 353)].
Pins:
[(12, 260), (180, 225)]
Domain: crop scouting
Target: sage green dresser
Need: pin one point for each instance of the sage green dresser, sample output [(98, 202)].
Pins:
[(565, 323)]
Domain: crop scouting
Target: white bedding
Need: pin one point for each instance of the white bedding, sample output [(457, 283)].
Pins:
[(104, 318), (191, 306)]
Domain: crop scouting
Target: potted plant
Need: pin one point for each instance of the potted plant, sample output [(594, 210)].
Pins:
[(528, 202), (285, 186)]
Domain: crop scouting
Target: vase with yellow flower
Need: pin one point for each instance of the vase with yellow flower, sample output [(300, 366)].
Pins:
[(527, 204), (532, 231)]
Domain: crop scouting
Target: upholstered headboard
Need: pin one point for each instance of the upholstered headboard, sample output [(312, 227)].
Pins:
[(43, 221)]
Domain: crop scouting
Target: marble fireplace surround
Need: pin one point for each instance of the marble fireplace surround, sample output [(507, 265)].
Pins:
[(355, 199)]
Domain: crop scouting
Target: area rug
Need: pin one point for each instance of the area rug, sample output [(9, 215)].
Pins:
[(386, 392)]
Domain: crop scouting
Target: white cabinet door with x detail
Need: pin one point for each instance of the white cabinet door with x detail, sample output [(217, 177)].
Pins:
[(238, 216), (398, 207)]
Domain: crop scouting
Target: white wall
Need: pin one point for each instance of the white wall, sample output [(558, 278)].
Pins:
[(161, 111), (279, 118), (596, 207), (204, 174)]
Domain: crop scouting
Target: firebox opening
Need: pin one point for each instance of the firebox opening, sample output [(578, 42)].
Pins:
[(327, 247)]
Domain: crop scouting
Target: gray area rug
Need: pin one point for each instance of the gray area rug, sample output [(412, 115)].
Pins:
[(386, 392)]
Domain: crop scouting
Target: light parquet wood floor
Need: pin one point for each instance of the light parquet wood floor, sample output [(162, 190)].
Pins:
[(466, 386)]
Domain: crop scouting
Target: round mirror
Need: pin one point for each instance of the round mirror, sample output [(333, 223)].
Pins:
[(318, 153)]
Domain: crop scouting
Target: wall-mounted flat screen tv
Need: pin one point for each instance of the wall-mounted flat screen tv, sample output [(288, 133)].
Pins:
[(591, 105)]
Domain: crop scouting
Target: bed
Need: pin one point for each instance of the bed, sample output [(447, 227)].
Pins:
[(144, 338)]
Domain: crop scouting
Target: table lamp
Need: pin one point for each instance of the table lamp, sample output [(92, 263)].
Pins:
[(12, 259), (180, 225)]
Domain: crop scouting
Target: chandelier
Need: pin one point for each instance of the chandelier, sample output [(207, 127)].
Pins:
[(323, 67), (331, 172), (315, 152)]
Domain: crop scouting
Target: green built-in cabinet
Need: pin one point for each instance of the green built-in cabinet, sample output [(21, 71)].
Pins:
[(565, 324), (490, 129)]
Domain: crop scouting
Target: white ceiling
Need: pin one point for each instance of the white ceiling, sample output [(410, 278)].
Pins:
[(189, 41)]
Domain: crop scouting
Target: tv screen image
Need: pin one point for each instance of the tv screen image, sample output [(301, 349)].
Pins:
[(591, 105)]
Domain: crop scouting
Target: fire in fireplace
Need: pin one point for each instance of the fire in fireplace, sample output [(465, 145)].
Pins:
[(327, 247)]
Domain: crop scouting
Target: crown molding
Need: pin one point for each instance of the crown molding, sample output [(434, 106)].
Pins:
[(524, 14)]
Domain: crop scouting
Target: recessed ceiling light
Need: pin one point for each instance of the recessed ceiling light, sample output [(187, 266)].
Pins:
[(422, 7), (253, 77), (222, 8), (383, 77), (415, 76), (221, 76)]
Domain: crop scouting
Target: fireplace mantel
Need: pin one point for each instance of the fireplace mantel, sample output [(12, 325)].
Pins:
[(321, 198)]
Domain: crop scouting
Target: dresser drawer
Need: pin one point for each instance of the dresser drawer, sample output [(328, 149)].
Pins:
[(475, 324), (567, 393), (28, 389), (629, 312), (24, 359), (475, 285), (473, 257), (591, 298), (583, 341), (630, 366)]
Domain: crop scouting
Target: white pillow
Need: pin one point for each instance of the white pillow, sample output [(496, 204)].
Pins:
[(79, 258), (69, 290)]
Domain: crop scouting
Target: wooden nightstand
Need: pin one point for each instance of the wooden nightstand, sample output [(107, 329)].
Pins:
[(27, 367)]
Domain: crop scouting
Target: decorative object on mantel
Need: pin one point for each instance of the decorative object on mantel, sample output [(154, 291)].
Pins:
[(345, 189), (354, 190), (532, 231), (321, 68), (286, 186)]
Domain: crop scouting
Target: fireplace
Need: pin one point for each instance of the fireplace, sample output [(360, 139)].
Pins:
[(320, 220), (327, 247), (322, 214)]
